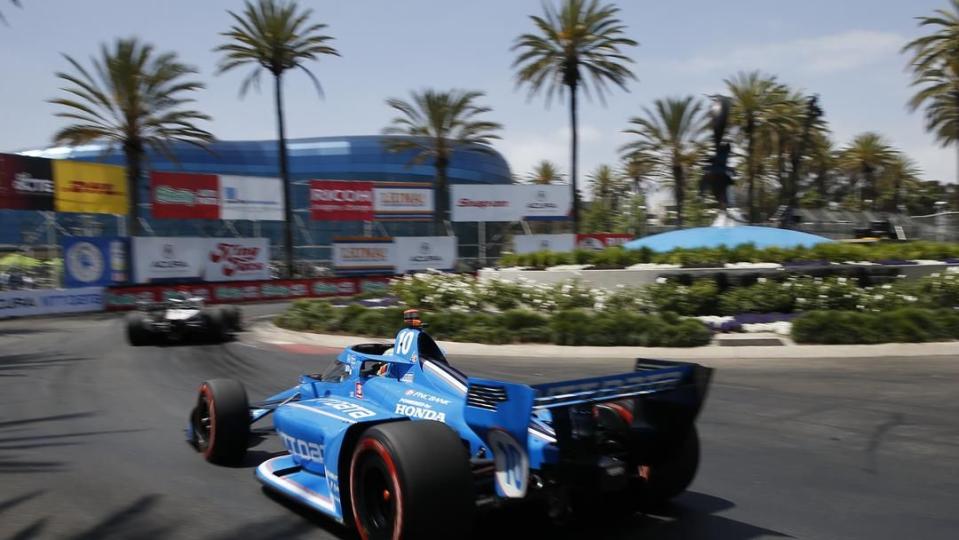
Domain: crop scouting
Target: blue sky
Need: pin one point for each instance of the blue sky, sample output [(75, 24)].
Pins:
[(848, 52)]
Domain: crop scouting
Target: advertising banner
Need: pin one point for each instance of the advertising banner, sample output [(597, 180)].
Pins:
[(531, 243), (26, 183), (122, 298), (363, 255), (50, 301), (158, 258), (94, 261), (251, 197), (424, 253), (403, 201), (544, 203), (484, 203), (185, 195), (599, 241), (89, 188), (338, 200), (237, 259)]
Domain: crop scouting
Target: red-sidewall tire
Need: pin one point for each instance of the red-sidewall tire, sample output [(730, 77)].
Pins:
[(221, 421), (411, 479)]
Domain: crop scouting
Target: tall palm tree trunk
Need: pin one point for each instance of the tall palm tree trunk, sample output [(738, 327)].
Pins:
[(442, 197), (679, 190), (751, 169), (574, 147), (284, 176), (133, 154)]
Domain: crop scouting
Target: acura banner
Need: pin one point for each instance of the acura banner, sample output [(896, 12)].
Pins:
[(208, 259), (424, 253), (26, 183), (514, 202)]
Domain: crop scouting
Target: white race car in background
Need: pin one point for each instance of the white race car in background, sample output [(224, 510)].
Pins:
[(179, 319)]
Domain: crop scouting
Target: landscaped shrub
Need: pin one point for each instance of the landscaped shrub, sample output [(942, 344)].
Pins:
[(716, 257), (699, 298), (901, 325)]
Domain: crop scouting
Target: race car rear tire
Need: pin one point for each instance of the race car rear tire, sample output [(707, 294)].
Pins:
[(215, 325), (411, 480), (221, 421), (137, 332), (670, 477), (233, 318)]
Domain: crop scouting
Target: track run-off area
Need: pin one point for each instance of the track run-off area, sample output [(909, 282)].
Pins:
[(92, 443)]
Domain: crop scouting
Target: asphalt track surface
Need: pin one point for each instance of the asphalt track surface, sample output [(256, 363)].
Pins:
[(91, 444)]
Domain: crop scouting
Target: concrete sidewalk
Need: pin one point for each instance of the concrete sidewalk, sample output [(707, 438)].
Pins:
[(267, 332)]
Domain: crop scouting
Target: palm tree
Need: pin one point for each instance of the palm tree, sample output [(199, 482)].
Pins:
[(607, 190), (935, 68), (901, 172), (545, 172), (672, 131), (4, 19), (864, 159), (133, 97), (577, 44), (433, 125), (277, 36), (754, 95)]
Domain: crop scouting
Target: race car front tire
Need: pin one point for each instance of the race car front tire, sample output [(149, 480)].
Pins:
[(137, 331), (411, 479), (220, 422), (670, 477)]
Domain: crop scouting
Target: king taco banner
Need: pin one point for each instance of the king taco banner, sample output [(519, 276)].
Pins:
[(158, 259), (89, 188), (26, 183)]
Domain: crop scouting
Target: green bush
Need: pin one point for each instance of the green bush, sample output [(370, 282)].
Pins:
[(897, 326), (520, 319), (570, 327), (700, 298)]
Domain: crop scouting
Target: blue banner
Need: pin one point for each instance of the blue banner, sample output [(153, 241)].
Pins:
[(95, 261)]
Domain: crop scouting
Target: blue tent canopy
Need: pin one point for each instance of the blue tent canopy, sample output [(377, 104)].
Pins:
[(709, 237)]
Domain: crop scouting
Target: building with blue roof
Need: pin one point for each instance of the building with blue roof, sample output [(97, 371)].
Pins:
[(324, 158)]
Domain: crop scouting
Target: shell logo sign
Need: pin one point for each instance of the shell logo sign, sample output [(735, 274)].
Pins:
[(89, 188)]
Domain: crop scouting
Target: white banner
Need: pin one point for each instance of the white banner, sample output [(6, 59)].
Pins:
[(484, 203), (363, 255), (251, 197), (544, 202), (424, 253), (531, 243), (159, 257), (237, 259), (402, 202), (513, 202), (50, 301)]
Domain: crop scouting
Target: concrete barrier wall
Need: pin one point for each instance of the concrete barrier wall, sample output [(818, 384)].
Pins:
[(23, 303), (610, 279)]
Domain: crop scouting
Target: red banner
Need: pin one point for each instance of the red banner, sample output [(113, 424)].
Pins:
[(337, 200), (185, 195), (123, 298), (598, 241)]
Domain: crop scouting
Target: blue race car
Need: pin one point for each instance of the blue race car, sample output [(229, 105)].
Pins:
[(394, 440)]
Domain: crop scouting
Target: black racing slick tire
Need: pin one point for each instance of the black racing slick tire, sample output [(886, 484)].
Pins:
[(137, 332), (220, 421), (411, 480), (670, 477), (214, 324), (233, 318)]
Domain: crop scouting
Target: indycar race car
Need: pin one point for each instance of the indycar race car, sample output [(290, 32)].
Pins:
[(394, 440), (180, 318)]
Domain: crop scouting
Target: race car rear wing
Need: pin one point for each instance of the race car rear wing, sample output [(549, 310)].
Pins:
[(669, 396)]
